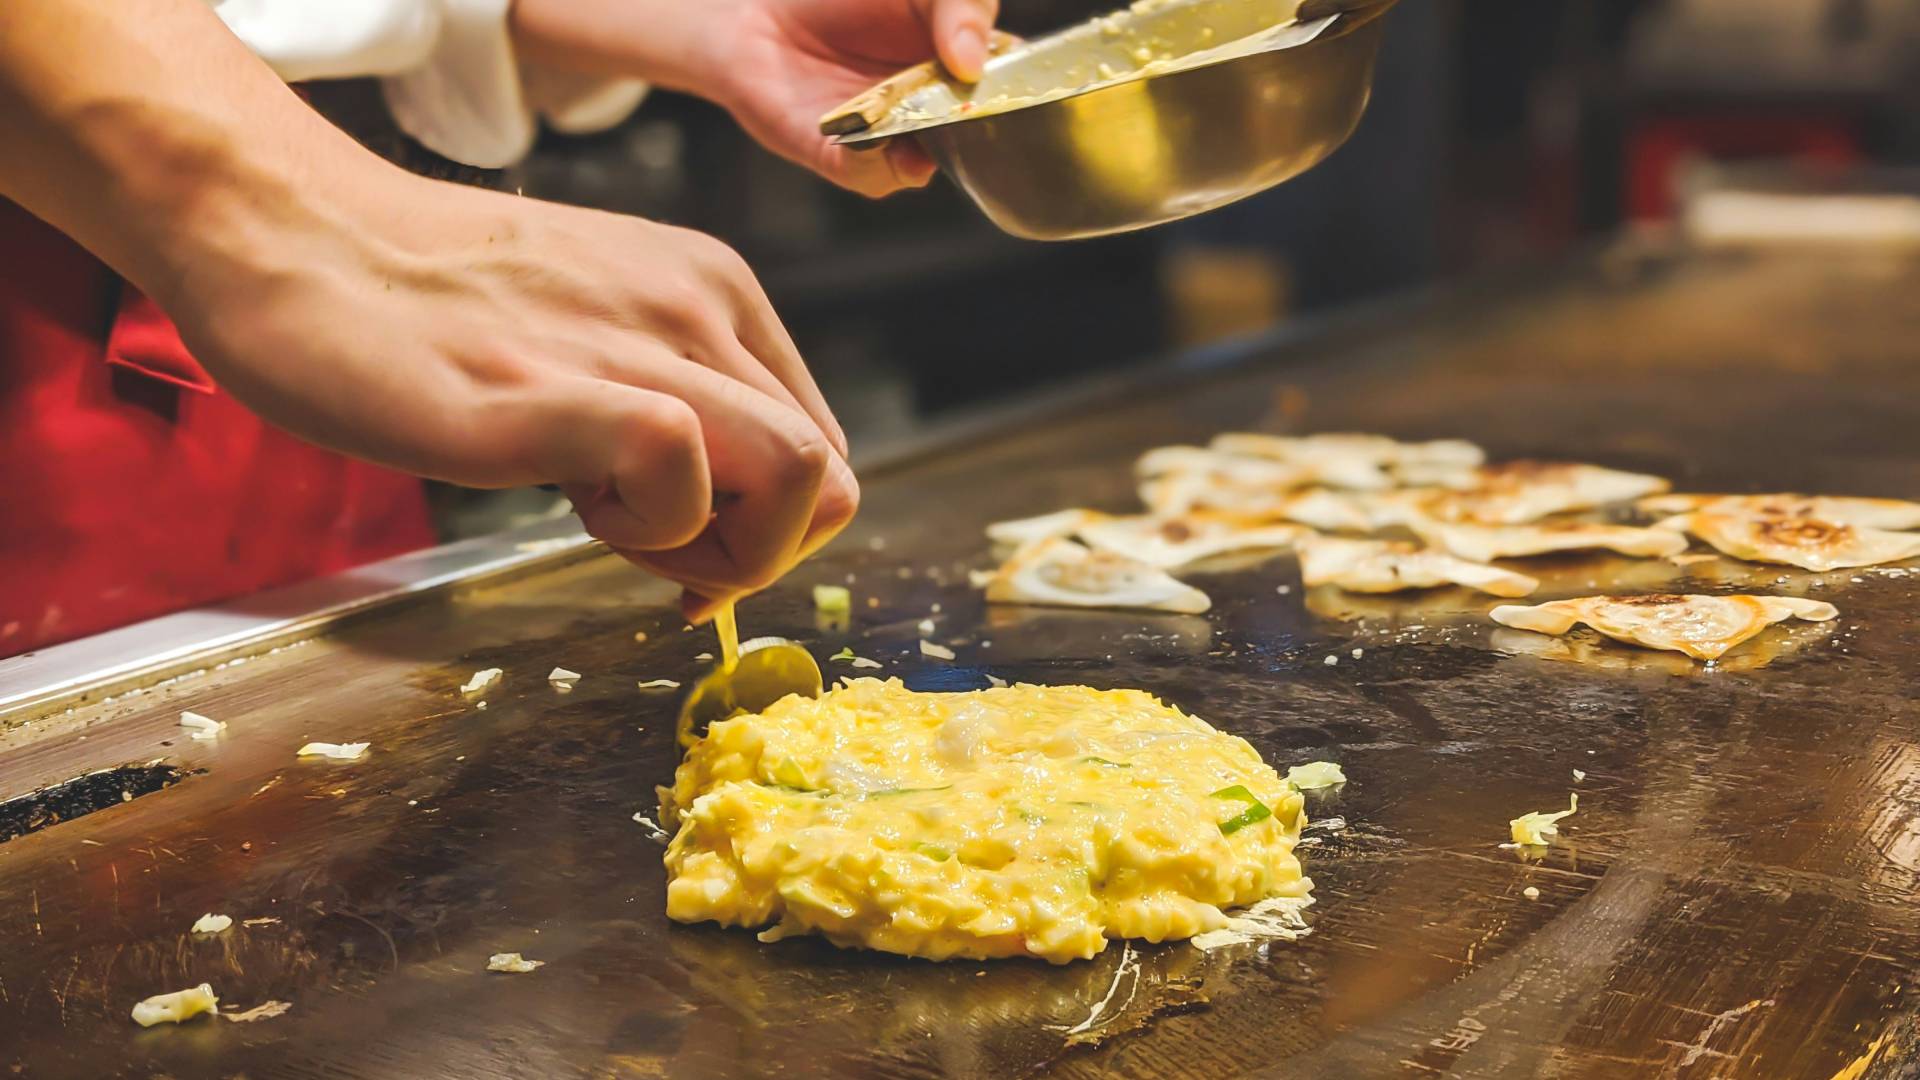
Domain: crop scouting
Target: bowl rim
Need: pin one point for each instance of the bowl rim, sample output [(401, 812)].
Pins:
[(1321, 30)]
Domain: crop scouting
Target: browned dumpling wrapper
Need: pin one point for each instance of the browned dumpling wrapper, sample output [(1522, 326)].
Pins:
[(1806, 542), (1703, 627), (1174, 541), (1353, 460), (1383, 566), (1485, 543), (1318, 507), (1164, 540), (1840, 509), (1518, 492), (1059, 572), (1225, 468), (1024, 531)]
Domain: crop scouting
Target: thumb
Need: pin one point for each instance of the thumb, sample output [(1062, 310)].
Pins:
[(960, 29)]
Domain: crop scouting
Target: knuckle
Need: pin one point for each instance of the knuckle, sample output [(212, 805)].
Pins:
[(672, 432), (803, 462), (496, 444), (668, 448), (838, 506), (726, 268), (678, 307), (722, 259)]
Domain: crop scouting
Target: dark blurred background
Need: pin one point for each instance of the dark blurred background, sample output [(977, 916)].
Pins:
[(1500, 132)]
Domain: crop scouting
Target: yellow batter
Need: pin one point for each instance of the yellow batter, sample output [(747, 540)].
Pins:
[(1017, 821), (729, 633)]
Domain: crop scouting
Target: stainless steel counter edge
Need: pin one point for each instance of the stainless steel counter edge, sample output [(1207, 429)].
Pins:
[(40, 683)]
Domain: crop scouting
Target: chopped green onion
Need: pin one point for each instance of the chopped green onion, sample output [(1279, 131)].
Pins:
[(791, 790), (904, 791), (845, 653), (1104, 761), (1255, 811), (933, 851)]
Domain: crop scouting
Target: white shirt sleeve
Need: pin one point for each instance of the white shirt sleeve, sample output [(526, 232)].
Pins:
[(447, 68)]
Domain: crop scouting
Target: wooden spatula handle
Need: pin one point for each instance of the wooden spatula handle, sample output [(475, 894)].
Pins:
[(873, 105), (1310, 10)]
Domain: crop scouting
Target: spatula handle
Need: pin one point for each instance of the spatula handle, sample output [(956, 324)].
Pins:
[(877, 101), (1311, 10)]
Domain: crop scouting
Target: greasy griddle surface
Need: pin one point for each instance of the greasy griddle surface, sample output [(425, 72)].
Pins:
[(1738, 897)]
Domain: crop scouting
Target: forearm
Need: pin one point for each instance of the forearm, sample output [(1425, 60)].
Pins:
[(146, 131)]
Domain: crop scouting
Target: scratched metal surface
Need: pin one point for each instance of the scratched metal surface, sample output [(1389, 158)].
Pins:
[(1739, 897)]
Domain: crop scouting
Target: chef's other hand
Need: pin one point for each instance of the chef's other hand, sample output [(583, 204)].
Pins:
[(495, 341), (776, 65)]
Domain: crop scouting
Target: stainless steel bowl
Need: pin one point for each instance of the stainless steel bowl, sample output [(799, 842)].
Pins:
[(1164, 111)]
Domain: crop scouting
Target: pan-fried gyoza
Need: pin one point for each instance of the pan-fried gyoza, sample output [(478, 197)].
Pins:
[(1807, 542), (1382, 566), (1226, 468), (1518, 492), (1703, 627), (1170, 542), (1485, 543), (1059, 572), (1351, 460), (1840, 509), (1024, 531), (1163, 540)]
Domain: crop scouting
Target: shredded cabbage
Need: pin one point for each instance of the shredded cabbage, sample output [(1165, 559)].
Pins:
[(512, 963), (1317, 774), (202, 727), (177, 1006), (1537, 829), (336, 751)]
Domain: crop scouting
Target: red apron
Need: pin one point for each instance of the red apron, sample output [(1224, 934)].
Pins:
[(130, 485)]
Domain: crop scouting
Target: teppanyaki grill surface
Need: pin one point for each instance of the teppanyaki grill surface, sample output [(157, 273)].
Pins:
[(1737, 896)]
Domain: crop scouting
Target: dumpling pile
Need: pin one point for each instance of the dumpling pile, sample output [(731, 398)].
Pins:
[(1247, 494)]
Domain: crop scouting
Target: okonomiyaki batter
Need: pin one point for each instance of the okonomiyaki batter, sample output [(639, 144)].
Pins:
[(1016, 821)]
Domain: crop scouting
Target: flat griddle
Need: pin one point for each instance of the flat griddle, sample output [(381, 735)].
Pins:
[(1739, 896)]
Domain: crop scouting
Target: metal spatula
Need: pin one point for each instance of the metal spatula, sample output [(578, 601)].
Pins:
[(763, 671)]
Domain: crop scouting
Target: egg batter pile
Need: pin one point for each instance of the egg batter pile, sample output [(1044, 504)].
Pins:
[(1015, 821)]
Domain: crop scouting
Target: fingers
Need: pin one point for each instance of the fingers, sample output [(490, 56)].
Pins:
[(839, 498), (646, 464), (780, 474), (874, 173), (767, 352), (909, 163), (960, 29), (635, 465)]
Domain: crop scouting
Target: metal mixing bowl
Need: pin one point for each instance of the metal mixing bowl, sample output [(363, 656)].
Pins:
[(1157, 113)]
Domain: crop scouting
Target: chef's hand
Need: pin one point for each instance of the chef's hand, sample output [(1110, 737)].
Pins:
[(495, 341), (776, 65), (455, 333)]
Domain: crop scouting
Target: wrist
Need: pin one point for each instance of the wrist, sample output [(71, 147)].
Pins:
[(214, 220), (673, 44)]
